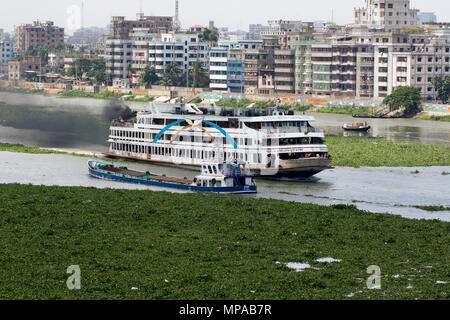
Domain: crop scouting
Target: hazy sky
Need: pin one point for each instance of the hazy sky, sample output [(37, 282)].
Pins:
[(236, 14)]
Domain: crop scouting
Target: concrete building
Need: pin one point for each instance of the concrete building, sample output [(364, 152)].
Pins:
[(118, 54), (179, 48), (422, 64), (28, 67), (218, 67), (6, 54), (236, 70), (37, 35), (387, 15), (123, 29), (141, 38)]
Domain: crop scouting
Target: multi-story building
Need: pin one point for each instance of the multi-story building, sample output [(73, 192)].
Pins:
[(6, 54), (37, 35), (118, 54), (19, 69), (141, 38), (422, 64), (123, 29), (182, 49), (284, 67), (387, 15), (218, 67)]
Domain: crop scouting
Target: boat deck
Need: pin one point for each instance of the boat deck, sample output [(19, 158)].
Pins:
[(125, 171), (171, 179)]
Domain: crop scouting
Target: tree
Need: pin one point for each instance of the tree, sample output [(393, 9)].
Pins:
[(407, 97), (149, 77), (100, 76), (442, 87), (172, 75), (92, 68), (209, 35), (200, 75)]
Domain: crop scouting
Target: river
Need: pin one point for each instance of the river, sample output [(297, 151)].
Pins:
[(80, 125), (382, 190)]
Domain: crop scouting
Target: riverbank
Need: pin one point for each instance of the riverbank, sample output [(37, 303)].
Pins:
[(7, 147), (209, 247), (434, 118), (348, 110)]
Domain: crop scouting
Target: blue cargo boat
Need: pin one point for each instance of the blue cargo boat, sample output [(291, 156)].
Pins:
[(230, 178)]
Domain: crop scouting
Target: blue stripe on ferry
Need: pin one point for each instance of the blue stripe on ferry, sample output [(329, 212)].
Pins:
[(223, 132), (167, 128)]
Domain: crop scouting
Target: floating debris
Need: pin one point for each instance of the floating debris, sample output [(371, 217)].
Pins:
[(297, 266), (328, 260)]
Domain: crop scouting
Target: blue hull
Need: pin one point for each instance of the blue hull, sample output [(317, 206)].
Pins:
[(240, 189)]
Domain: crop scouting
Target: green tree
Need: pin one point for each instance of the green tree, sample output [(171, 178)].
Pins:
[(442, 87), (209, 35), (200, 75), (92, 68), (100, 77), (407, 97), (172, 75), (149, 77)]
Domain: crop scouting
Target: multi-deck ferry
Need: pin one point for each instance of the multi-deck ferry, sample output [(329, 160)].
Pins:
[(272, 142)]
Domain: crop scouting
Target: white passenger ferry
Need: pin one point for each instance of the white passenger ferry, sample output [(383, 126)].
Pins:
[(272, 142)]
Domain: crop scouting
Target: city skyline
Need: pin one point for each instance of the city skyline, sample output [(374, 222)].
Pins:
[(64, 12)]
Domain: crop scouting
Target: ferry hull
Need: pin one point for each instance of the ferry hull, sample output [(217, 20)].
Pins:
[(161, 184), (292, 169)]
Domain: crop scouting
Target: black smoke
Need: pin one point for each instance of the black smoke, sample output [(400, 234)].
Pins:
[(118, 110)]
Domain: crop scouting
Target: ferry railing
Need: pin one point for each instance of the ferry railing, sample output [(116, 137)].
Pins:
[(122, 124), (292, 130)]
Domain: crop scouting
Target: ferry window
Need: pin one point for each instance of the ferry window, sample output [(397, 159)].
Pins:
[(215, 169)]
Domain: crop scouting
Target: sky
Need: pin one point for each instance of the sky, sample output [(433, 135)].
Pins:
[(235, 14)]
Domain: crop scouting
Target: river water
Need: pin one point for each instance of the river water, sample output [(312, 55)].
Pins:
[(383, 190), (80, 125)]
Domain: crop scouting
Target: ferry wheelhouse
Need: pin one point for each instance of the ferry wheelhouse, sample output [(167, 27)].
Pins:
[(272, 142)]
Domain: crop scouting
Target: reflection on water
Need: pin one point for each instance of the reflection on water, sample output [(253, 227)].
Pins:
[(383, 190)]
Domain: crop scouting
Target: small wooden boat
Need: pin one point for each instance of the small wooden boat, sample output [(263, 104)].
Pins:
[(229, 178), (362, 126)]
